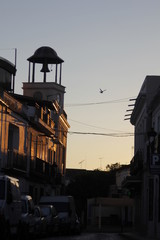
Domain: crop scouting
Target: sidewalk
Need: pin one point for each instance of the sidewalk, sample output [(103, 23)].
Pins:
[(127, 233), (135, 236)]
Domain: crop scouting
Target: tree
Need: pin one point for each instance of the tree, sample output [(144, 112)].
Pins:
[(91, 184), (113, 167)]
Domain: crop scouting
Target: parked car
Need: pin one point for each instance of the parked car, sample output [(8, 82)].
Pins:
[(27, 215), (40, 222), (65, 207), (51, 217), (10, 206)]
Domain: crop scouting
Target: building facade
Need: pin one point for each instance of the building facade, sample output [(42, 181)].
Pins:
[(34, 127), (143, 183)]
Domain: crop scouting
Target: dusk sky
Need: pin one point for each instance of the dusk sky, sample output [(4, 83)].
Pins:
[(108, 44)]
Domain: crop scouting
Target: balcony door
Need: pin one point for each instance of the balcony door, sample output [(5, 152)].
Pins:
[(13, 143)]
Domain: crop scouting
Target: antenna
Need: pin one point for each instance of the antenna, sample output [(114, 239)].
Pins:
[(81, 162), (15, 57)]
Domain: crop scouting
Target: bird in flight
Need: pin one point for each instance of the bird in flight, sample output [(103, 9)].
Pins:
[(101, 91)]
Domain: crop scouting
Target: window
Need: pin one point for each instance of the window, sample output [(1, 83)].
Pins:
[(61, 206), (13, 138), (15, 191)]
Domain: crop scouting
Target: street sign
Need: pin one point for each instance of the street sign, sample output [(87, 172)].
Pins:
[(155, 161)]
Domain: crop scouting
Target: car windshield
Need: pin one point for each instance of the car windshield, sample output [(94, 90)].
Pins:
[(45, 211), (2, 189), (24, 206), (61, 206)]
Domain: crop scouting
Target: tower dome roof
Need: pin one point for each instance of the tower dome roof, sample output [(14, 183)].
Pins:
[(45, 54), (7, 65)]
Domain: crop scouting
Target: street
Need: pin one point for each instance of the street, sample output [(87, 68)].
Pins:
[(90, 236)]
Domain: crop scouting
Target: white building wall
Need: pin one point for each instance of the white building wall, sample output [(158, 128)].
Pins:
[(144, 118)]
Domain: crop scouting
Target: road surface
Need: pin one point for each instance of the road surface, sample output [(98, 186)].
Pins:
[(89, 236)]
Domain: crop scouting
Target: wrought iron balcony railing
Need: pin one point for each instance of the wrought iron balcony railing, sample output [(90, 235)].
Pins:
[(44, 169), (16, 160)]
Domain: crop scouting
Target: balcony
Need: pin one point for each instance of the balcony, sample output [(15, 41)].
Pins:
[(40, 166), (134, 181), (136, 164), (15, 160), (43, 121), (42, 169)]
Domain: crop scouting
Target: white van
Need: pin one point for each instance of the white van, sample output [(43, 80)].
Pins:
[(65, 208), (10, 206)]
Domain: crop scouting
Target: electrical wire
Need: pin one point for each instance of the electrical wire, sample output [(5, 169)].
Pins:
[(7, 49), (89, 125), (103, 134), (98, 103)]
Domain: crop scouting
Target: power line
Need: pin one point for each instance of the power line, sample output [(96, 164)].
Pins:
[(4, 49), (89, 125), (97, 103), (103, 134)]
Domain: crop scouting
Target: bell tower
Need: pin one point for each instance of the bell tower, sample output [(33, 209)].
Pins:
[(49, 91)]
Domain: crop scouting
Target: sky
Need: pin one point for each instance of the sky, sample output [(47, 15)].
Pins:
[(107, 44)]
